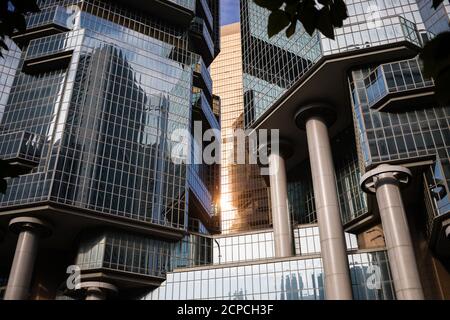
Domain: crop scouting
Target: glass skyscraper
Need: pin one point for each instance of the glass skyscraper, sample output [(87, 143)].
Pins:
[(358, 208), (366, 149), (92, 96), (244, 194)]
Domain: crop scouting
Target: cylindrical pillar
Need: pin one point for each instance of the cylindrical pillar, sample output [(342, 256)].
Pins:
[(385, 182), (95, 294), (281, 219), (97, 290), (316, 119), (29, 230)]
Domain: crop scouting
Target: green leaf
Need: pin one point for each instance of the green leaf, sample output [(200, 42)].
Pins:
[(25, 6), (291, 29), (278, 20), (3, 45), (436, 3), (338, 13), (436, 64), (324, 23), (442, 87), (308, 14), (291, 9), (436, 55)]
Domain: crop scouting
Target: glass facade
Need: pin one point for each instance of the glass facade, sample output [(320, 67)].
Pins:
[(394, 77), (397, 136), (107, 118), (260, 245), (272, 66), (290, 279), (142, 255), (436, 193), (436, 21), (244, 194), (93, 105), (415, 134), (243, 266), (92, 108), (352, 201)]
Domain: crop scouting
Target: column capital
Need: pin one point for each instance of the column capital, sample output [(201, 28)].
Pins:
[(446, 225), (325, 111), (285, 147), (370, 180), (97, 286), (20, 224)]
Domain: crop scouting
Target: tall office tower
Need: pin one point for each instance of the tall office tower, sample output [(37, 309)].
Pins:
[(244, 193), (96, 94), (365, 147), (370, 143)]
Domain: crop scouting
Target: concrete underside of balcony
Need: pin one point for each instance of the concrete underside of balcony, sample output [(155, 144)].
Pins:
[(67, 224), (164, 9)]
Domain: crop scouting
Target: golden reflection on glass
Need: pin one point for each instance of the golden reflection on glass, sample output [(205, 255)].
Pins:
[(244, 194)]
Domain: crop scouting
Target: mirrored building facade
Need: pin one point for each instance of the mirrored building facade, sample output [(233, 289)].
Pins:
[(363, 211), (94, 95), (360, 117), (244, 199), (279, 75)]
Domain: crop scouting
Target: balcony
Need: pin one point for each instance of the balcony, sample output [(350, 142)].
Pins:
[(21, 149), (202, 77), (398, 86), (200, 102), (179, 12), (201, 206), (437, 204), (197, 226), (45, 23), (206, 12), (200, 191), (128, 260), (51, 52), (202, 39), (216, 107), (393, 38), (366, 35)]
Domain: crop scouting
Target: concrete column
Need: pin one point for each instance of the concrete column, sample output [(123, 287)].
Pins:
[(281, 218), (97, 290), (316, 119), (385, 182), (95, 294), (29, 230)]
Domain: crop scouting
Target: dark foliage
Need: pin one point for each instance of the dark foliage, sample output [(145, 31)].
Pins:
[(330, 14)]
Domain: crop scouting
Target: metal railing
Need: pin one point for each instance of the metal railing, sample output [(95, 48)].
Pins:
[(56, 15), (21, 145), (199, 100), (54, 44), (386, 30), (437, 195), (201, 69), (394, 77), (198, 26)]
